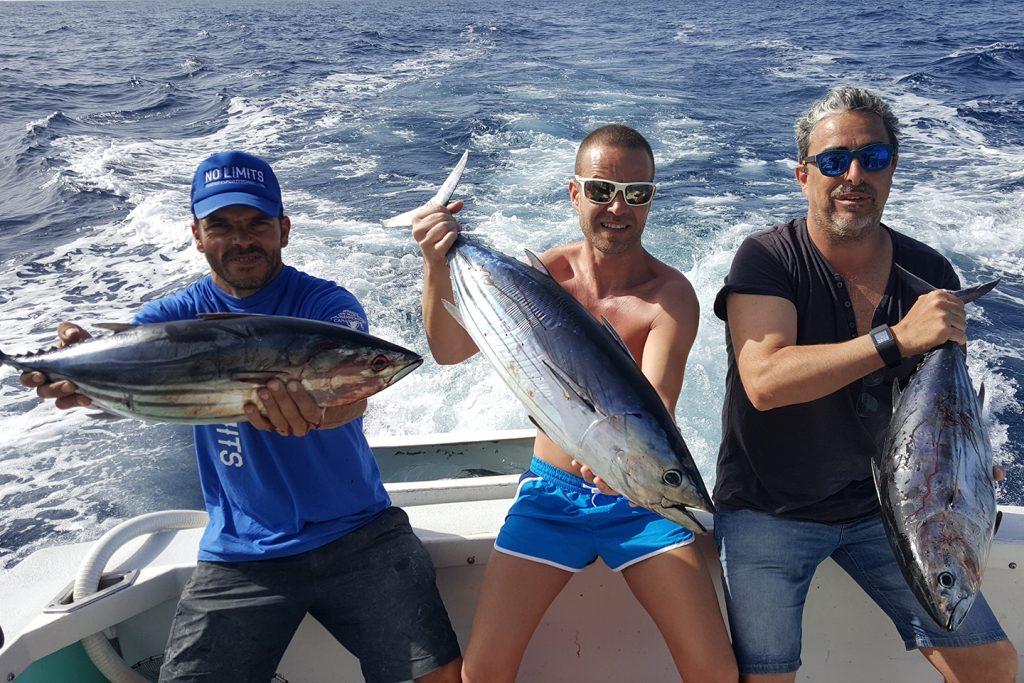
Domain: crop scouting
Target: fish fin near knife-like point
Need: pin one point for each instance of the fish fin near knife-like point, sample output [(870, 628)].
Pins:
[(697, 527), (967, 294), (104, 415), (441, 198), (116, 327), (536, 262), (454, 312), (229, 316), (618, 340), (570, 387)]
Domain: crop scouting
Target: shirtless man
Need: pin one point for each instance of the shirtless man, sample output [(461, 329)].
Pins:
[(655, 311)]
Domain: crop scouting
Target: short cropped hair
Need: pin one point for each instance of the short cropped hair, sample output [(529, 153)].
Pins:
[(841, 100), (614, 135)]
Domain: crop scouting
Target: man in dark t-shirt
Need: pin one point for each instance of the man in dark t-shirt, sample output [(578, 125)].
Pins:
[(808, 399)]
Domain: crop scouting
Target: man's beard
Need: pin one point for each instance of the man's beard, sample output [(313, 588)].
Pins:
[(255, 281), (601, 242), (846, 228)]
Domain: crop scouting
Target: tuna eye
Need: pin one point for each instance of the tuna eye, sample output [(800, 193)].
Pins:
[(672, 477), (947, 580), (379, 363)]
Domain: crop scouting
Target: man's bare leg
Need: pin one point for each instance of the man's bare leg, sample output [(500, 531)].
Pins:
[(513, 598), (988, 663), (449, 673), (676, 590)]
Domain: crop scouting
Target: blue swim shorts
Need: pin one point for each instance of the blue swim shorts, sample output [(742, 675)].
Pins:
[(560, 520), (767, 566)]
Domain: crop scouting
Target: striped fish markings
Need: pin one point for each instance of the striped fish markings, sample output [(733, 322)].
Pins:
[(934, 479), (573, 374), (204, 371)]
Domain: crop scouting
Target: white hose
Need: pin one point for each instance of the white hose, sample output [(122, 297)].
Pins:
[(87, 582)]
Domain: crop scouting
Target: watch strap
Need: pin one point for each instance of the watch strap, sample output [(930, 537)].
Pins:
[(885, 344)]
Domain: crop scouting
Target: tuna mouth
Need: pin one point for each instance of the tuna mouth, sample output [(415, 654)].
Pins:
[(402, 372), (959, 613)]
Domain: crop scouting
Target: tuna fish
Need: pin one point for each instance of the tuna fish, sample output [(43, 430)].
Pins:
[(934, 480), (573, 374), (204, 371)]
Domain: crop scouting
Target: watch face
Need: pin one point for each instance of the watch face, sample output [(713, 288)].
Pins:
[(882, 336)]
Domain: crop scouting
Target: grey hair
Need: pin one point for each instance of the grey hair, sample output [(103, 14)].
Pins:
[(840, 100)]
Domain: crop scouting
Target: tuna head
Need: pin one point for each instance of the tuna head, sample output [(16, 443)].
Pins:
[(647, 462), (950, 567), (337, 374)]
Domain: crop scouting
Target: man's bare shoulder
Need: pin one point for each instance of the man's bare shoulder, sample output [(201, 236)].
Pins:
[(559, 260), (672, 290)]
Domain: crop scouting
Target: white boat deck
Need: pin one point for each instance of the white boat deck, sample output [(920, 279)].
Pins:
[(594, 632)]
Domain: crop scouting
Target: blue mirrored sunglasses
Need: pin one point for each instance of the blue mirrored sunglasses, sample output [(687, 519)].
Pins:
[(833, 162)]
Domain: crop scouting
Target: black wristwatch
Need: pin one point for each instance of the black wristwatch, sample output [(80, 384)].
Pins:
[(885, 344)]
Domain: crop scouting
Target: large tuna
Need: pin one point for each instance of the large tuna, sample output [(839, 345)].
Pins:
[(204, 371), (934, 480), (574, 375)]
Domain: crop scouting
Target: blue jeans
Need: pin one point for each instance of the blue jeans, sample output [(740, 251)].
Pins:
[(767, 566)]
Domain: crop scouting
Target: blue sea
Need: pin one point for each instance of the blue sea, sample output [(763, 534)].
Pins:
[(106, 108)]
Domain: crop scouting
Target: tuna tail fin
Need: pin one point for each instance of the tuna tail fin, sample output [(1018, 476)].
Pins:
[(976, 292), (441, 198)]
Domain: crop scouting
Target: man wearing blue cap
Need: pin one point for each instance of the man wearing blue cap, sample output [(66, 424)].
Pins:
[(296, 525)]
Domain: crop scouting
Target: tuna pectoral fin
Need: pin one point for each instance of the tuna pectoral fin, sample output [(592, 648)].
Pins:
[(453, 311), (571, 388)]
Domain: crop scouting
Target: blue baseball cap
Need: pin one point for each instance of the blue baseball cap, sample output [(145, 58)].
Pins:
[(231, 178)]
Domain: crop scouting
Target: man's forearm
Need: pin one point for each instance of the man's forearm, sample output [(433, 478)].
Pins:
[(449, 342), (801, 373)]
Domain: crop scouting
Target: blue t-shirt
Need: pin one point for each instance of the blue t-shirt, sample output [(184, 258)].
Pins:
[(269, 495)]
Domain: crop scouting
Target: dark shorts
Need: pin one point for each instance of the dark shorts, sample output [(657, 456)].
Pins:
[(373, 589), (767, 566)]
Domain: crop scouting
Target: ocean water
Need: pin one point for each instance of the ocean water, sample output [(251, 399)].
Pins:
[(362, 108)]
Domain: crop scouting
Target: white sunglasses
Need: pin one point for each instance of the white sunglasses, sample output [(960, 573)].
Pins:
[(601, 191)]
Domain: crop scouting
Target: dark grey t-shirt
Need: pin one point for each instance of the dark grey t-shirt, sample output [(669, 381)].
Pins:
[(812, 460)]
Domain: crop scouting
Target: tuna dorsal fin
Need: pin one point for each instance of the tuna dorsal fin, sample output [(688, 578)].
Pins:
[(539, 428), (259, 377), (616, 337), (570, 387), (115, 327), (103, 415), (536, 262), (453, 311), (228, 316), (916, 284), (969, 294)]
